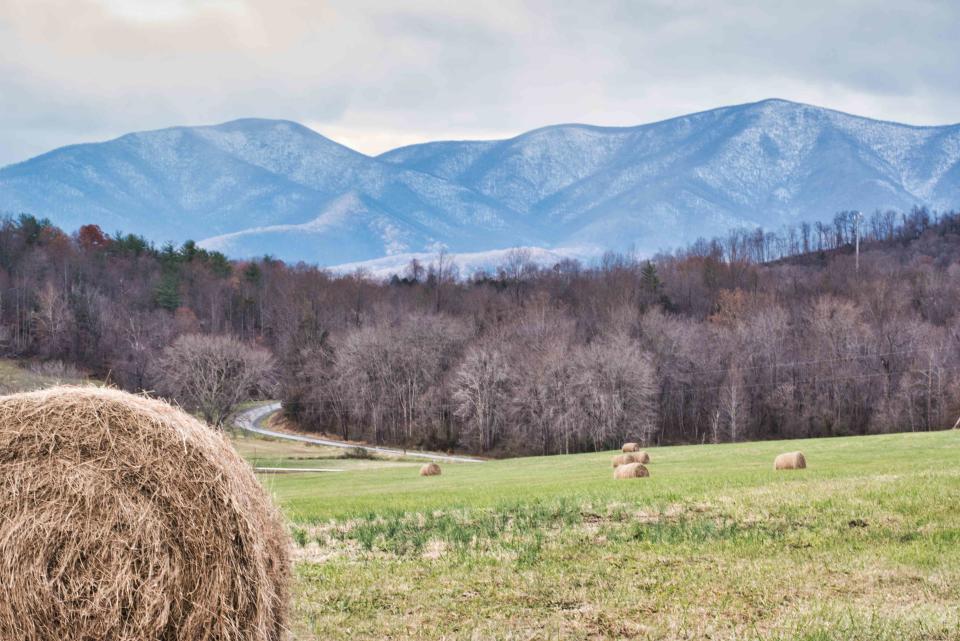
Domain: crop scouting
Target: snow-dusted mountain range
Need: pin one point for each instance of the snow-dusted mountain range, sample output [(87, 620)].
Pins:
[(251, 187)]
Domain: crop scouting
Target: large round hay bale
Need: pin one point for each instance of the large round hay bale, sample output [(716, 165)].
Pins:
[(124, 518), (631, 447), (622, 459), (430, 469), (630, 471), (790, 461), (634, 457)]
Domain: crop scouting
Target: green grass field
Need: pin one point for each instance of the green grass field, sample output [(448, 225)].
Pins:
[(864, 544)]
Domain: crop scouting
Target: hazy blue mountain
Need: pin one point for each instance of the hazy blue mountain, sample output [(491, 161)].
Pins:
[(768, 163), (251, 187)]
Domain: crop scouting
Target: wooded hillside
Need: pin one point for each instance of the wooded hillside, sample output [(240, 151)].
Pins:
[(756, 335)]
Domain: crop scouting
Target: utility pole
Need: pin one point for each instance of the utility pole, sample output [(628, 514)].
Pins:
[(857, 217)]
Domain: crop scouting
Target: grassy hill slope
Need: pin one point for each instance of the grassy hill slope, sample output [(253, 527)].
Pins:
[(861, 545)]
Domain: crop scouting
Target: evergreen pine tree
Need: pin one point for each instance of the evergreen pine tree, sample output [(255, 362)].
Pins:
[(649, 278)]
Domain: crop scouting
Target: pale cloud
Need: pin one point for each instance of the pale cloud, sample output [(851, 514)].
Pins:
[(374, 140), (375, 75), (167, 11)]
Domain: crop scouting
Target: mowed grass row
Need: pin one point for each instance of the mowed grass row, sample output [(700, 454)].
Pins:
[(864, 544), (677, 473)]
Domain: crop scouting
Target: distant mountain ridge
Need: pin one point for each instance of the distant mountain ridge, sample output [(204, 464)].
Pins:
[(250, 187)]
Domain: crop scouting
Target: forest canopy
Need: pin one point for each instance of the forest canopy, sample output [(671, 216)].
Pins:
[(755, 335)]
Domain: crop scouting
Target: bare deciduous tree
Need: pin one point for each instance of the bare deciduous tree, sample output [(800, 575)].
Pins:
[(732, 403), (481, 388), (213, 374), (616, 390)]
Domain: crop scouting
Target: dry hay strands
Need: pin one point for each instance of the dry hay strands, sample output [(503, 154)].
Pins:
[(634, 457), (631, 447), (631, 471), (125, 518), (430, 469), (790, 461)]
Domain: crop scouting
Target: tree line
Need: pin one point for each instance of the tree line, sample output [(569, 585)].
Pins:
[(754, 335)]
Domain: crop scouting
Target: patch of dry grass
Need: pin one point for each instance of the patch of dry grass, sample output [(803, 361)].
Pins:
[(18, 376)]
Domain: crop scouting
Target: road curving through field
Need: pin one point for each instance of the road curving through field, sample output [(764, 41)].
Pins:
[(251, 420)]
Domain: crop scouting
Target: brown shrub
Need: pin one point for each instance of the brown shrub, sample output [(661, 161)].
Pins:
[(790, 461), (630, 471), (125, 518), (430, 469)]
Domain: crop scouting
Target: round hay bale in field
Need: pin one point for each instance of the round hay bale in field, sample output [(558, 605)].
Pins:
[(125, 518), (634, 457), (430, 469), (622, 459), (631, 447), (630, 471), (790, 461)]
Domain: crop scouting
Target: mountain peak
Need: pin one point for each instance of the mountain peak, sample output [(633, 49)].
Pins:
[(253, 186)]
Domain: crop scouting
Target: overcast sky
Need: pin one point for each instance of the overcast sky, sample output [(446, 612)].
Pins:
[(376, 75)]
